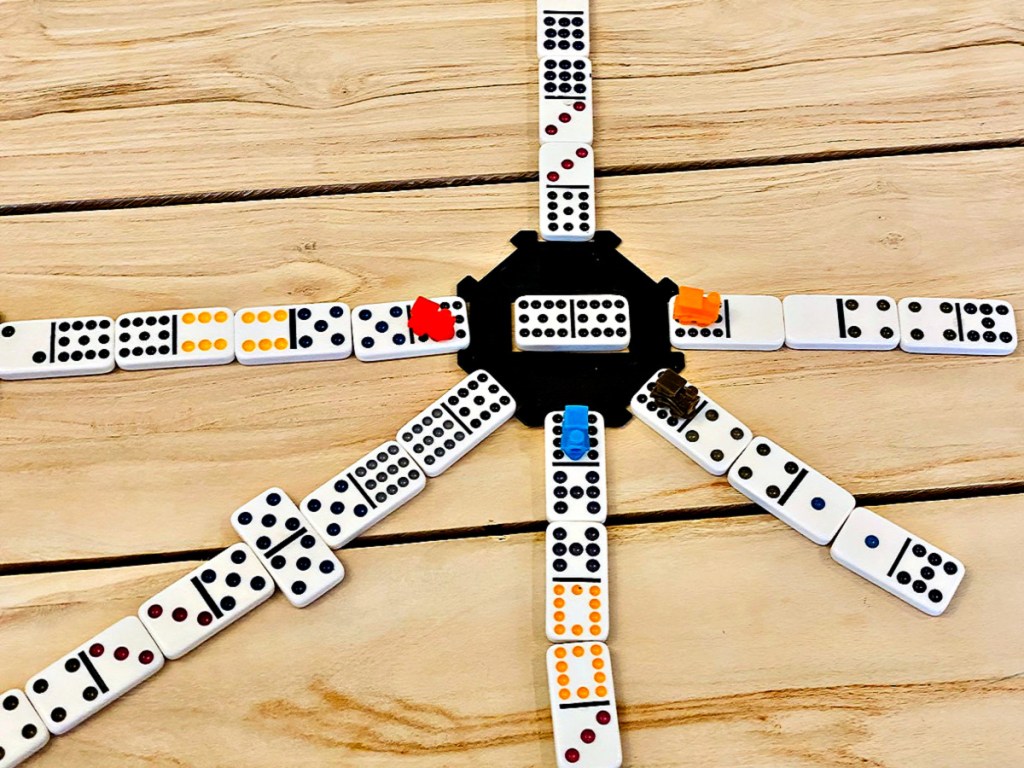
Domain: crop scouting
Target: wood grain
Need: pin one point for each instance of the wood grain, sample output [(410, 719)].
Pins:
[(735, 643), (136, 463), (99, 100)]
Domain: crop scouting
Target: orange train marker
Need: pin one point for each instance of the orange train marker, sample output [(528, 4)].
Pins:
[(694, 307)]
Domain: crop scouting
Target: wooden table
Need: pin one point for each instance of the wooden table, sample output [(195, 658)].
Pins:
[(236, 153)]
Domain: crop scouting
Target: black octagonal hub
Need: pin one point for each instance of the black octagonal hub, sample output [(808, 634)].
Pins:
[(548, 381)]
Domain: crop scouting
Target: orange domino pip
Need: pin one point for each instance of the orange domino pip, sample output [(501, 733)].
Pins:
[(694, 307)]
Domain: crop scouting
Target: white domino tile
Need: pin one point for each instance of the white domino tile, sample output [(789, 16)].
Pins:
[(175, 338), (46, 349), (576, 602), (566, 100), (94, 675), (22, 731), (575, 489), (819, 321), (744, 323), (567, 192), (794, 492), (293, 333), (563, 323), (713, 438), (363, 494), (957, 326), (898, 561), (209, 599), (457, 422), (583, 712), (381, 331), (296, 557)]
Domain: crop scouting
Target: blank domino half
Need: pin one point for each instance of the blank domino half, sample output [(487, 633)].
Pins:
[(744, 323)]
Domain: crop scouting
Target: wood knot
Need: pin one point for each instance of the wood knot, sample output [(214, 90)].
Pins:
[(893, 240)]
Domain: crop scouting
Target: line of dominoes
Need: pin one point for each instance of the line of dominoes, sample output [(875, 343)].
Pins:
[(291, 547), (82, 346), (283, 546), (583, 711), (880, 551), (568, 209), (202, 336), (936, 326), (584, 714)]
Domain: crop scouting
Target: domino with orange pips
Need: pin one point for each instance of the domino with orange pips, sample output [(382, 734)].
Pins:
[(293, 333), (174, 338), (577, 582), (583, 712)]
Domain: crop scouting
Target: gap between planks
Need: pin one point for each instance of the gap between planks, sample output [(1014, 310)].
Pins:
[(443, 534), (874, 501), (406, 185)]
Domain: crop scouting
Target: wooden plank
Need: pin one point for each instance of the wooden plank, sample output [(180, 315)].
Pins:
[(735, 643), (155, 462), (97, 100)]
